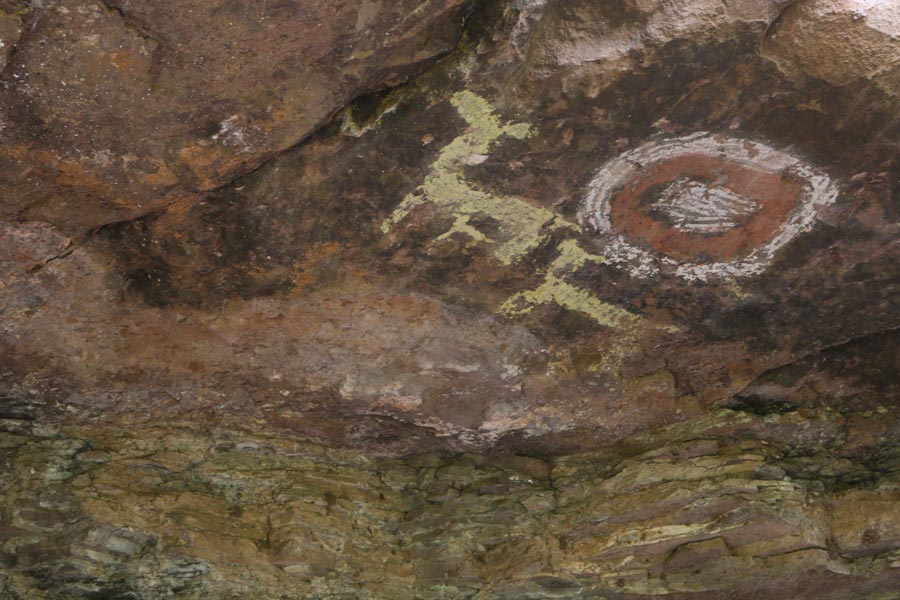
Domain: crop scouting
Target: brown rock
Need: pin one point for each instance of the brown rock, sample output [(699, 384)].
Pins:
[(114, 111), (601, 304)]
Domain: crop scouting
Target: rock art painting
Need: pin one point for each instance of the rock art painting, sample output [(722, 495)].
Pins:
[(522, 226), (450, 300), (703, 206)]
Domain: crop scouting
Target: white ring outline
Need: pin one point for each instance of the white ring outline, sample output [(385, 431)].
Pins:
[(818, 190)]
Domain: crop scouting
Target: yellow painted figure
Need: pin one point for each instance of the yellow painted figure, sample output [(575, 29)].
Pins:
[(522, 226)]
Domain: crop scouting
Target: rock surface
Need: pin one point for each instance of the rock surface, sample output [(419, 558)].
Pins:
[(533, 299), (705, 510), (113, 110)]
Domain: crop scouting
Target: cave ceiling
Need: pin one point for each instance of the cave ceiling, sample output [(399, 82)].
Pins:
[(541, 227)]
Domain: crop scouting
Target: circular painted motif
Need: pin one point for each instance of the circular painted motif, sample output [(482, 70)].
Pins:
[(703, 206)]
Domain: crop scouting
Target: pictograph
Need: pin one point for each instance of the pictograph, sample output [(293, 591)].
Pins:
[(702, 207)]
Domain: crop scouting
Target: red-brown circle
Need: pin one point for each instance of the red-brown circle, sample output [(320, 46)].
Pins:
[(775, 194)]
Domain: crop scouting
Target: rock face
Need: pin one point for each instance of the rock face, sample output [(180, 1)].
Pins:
[(533, 299), (115, 109), (704, 510)]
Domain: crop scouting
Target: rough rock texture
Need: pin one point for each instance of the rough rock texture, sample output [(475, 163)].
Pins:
[(114, 109), (841, 42), (533, 299), (698, 511)]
